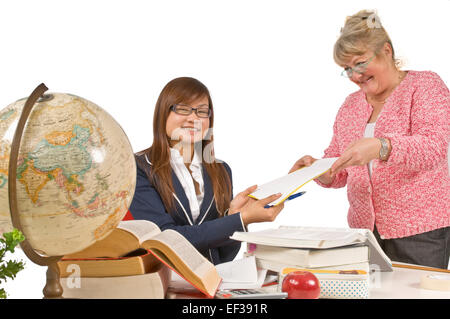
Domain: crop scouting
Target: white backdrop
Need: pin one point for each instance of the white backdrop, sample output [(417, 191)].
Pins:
[(268, 65)]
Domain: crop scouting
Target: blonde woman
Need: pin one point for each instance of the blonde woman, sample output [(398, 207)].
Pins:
[(391, 137)]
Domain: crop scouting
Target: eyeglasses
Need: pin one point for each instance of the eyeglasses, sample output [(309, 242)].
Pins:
[(359, 68), (202, 111)]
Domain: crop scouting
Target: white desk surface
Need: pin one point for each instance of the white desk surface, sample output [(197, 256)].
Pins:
[(404, 283), (401, 283)]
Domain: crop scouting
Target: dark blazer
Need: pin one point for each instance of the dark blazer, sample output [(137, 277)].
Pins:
[(209, 234)]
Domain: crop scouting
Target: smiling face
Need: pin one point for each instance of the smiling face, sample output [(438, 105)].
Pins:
[(187, 128), (375, 71)]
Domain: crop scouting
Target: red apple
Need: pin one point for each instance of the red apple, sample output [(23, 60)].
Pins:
[(301, 285)]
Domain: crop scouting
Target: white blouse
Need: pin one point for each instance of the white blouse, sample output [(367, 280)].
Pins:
[(370, 132), (185, 178)]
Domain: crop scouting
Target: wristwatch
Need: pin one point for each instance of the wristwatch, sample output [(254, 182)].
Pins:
[(384, 150)]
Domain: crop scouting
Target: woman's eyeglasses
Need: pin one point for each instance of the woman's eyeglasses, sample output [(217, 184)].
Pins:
[(359, 68), (202, 111)]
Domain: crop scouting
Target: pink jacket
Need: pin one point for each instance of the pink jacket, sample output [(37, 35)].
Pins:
[(410, 193)]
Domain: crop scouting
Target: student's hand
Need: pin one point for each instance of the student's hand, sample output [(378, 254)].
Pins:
[(307, 160), (254, 211), (240, 200)]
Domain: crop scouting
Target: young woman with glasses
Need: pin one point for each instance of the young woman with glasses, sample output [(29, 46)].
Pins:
[(182, 186), (391, 137)]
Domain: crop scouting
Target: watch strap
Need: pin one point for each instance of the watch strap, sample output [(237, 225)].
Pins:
[(384, 150)]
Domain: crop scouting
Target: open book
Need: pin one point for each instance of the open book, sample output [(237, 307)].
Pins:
[(318, 238), (289, 184), (168, 246)]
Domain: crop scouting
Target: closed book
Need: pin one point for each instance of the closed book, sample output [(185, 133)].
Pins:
[(313, 258), (142, 262), (118, 243), (147, 286), (277, 266)]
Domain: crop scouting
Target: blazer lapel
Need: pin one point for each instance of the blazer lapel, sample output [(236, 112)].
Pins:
[(181, 199), (208, 195)]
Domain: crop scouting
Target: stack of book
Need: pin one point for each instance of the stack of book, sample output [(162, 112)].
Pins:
[(275, 258), (138, 276), (135, 261), (339, 257)]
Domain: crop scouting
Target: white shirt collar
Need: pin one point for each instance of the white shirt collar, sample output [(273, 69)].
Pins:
[(176, 158)]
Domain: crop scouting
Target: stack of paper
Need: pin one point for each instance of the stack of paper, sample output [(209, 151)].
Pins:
[(236, 274), (241, 274)]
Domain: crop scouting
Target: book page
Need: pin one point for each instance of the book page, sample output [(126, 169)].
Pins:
[(303, 237), (261, 275), (142, 229), (180, 255), (320, 233), (310, 234), (239, 271), (183, 248), (289, 184), (377, 256), (241, 274)]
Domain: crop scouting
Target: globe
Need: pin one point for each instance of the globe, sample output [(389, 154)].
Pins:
[(76, 173)]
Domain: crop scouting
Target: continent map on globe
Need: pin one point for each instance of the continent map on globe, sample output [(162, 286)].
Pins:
[(76, 173)]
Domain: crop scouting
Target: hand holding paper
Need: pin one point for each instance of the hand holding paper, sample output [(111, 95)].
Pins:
[(291, 183), (254, 211), (307, 160), (240, 200), (358, 153)]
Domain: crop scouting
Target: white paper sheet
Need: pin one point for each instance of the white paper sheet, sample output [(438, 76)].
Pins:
[(291, 183), (241, 274)]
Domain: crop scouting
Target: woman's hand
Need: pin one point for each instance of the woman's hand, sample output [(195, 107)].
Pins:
[(255, 212), (240, 200), (358, 153), (307, 160), (252, 210)]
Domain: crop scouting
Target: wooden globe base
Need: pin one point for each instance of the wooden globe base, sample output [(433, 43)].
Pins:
[(53, 288)]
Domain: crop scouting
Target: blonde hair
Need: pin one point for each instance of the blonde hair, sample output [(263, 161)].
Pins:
[(362, 31)]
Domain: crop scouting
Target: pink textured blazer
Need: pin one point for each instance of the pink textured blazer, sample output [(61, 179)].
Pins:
[(410, 193)]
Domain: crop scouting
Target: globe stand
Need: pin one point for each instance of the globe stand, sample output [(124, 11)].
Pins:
[(53, 287)]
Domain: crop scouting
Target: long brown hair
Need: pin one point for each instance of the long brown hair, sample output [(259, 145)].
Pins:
[(183, 90)]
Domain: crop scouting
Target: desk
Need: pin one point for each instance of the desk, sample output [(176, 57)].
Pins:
[(402, 283)]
